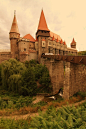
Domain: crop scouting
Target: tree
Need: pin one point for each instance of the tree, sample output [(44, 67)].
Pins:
[(82, 53), (10, 68), (32, 63), (29, 86)]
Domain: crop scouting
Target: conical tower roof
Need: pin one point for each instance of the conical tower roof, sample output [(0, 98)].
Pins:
[(53, 38), (61, 41), (42, 22), (57, 40), (73, 41), (14, 27), (64, 43)]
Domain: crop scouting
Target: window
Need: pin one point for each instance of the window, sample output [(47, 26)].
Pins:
[(43, 43), (49, 43), (24, 49)]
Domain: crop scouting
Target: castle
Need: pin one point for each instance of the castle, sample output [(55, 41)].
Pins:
[(27, 48)]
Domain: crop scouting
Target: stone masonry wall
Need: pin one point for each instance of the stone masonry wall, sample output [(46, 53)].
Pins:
[(66, 80), (77, 78), (72, 80), (56, 70), (4, 56)]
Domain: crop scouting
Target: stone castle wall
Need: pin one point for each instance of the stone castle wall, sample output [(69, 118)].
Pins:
[(5, 56), (77, 78), (72, 80)]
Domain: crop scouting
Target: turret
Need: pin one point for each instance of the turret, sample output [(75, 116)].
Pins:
[(73, 44), (14, 35), (42, 33)]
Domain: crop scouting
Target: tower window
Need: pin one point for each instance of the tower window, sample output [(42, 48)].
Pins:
[(24, 49)]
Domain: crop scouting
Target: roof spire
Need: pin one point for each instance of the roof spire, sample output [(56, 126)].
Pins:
[(64, 43), (57, 39), (61, 41), (14, 12), (42, 22), (53, 38), (73, 41), (14, 27)]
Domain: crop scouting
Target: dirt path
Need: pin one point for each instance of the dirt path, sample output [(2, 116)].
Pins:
[(38, 98), (17, 117)]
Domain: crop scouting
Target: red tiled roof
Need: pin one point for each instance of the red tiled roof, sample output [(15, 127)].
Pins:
[(73, 41), (55, 35), (43, 39), (28, 36), (14, 27), (42, 22), (61, 41), (64, 43), (53, 38), (57, 40)]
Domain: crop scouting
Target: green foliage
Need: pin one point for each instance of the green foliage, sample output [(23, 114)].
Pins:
[(10, 71), (29, 86), (21, 77), (63, 118), (31, 63), (42, 75), (45, 82), (15, 83), (82, 53), (14, 101)]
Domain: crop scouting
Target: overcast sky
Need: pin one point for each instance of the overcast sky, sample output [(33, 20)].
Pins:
[(66, 18)]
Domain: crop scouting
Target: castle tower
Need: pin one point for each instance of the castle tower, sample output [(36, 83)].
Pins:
[(14, 35), (73, 44), (42, 35)]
